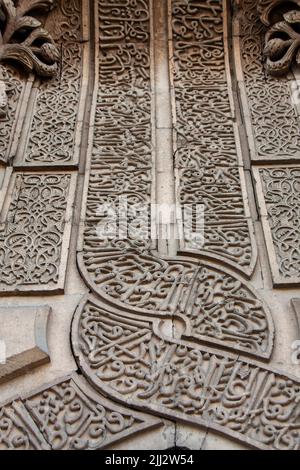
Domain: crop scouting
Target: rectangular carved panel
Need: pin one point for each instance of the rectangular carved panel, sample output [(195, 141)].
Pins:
[(52, 132), (271, 119), (279, 201), (207, 146), (35, 231)]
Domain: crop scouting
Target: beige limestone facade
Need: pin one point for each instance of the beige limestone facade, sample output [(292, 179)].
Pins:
[(176, 324)]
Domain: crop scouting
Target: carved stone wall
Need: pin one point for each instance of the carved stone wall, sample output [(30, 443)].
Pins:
[(108, 342)]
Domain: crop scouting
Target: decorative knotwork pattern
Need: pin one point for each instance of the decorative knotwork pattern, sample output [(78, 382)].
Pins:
[(52, 134), (281, 190), (32, 234), (218, 306), (206, 154), (274, 122), (132, 361), (122, 150)]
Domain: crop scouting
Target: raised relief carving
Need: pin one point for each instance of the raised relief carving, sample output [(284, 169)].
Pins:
[(273, 127), (71, 417), (207, 146), (67, 415), (217, 305), (282, 40), (12, 87), (279, 199), (3, 100), (23, 40), (52, 136), (17, 429), (131, 360), (35, 231)]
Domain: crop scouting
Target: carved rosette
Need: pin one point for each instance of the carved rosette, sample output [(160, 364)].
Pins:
[(282, 40)]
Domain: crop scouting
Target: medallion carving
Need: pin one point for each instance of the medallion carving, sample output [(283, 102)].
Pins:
[(131, 359)]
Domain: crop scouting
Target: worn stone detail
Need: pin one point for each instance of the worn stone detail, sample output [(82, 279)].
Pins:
[(67, 415), (71, 417), (23, 339), (130, 359), (207, 146), (157, 105), (282, 40), (55, 117), (17, 430), (33, 51), (218, 307), (124, 271), (34, 232), (296, 307), (273, 128), (12, 89), (279, 191), (3, 99)]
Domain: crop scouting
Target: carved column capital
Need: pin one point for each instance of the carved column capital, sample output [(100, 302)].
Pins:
[(282, 40), (24, 40)]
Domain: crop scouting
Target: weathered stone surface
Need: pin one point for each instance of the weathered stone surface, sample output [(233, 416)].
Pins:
[(271, 119), (162, 103), (74, 418), (279, 200), (34, 50), (23, 339), (35, 232), (17, 430), (131, 359)]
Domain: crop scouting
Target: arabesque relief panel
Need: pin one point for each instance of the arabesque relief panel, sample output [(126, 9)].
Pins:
[(123, 105)]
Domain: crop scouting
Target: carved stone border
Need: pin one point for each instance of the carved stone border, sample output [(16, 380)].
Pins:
[(150, 405), (46, 430), (278, 279), (38, 288)]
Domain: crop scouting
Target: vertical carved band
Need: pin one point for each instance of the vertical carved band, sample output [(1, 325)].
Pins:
[(273, 128), (279, 196), (207, 147)]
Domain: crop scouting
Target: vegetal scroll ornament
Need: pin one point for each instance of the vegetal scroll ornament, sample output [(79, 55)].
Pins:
[(23, 39), (282, 40)]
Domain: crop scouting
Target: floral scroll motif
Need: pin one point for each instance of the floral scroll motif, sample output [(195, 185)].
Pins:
[(23, 40), (282, 40)]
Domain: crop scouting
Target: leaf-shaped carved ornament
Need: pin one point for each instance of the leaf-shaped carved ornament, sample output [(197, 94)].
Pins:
[(282, 40), (24, 40)]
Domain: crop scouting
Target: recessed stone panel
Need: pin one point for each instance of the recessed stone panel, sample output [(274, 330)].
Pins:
[(23, 339), (35, 231)]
